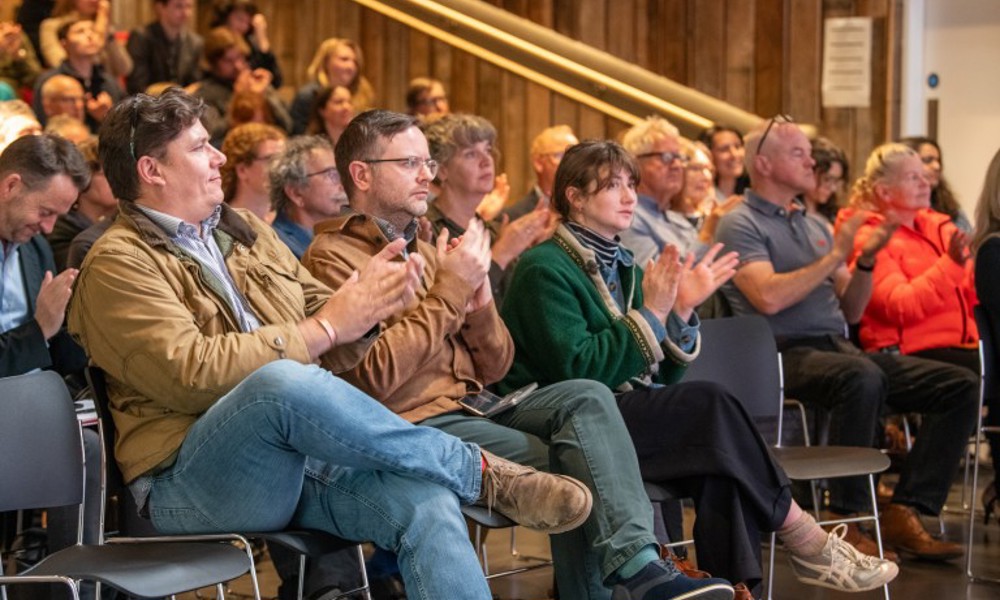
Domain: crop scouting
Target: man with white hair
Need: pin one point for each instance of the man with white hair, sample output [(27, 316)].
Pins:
[(656, 145)]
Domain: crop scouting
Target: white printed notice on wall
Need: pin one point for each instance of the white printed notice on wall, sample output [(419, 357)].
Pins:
[(847, 62)]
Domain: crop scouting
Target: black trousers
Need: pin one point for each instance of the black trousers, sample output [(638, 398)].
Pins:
[(968, 358), (697, 439)]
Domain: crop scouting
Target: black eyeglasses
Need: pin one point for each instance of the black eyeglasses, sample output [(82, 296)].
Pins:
[(329, 172), (665, 157), (780, 119), (410, 163)]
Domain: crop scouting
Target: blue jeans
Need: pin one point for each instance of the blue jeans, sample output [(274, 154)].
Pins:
[(575, 428), (294, 446)]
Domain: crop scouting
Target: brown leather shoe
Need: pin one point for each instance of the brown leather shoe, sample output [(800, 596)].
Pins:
[(883, 494), (864, 543), (542, 501), (683, 565), (902, 529)]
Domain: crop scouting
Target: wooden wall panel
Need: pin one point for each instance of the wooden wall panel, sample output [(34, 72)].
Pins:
[(804, 60), (769, 58), (760, 55), (668, 35), (706, 22)]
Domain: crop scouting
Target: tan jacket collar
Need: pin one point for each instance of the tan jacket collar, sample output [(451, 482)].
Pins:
[(358, 225)]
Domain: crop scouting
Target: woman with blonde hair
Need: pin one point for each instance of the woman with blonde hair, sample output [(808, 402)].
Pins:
[(922, 288), (337, 61), (986, 246), (942, 197)]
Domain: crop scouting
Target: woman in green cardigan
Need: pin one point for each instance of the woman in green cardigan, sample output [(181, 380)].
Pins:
[(578, 307)]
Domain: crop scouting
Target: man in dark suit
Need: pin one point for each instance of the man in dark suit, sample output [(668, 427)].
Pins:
[(166, 49), (40, 178)]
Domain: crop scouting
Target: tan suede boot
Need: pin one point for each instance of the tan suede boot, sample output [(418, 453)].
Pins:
[(543, 501)]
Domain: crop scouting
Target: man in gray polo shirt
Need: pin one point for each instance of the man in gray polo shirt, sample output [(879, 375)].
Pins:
[(793, 272)]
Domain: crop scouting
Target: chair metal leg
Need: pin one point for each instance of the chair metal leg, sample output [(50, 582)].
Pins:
[(366, 592), (770, 566), (878, 526), (481, 550), (302, 577), (966, 505), (253, 568), (972, 512), (814, 488)]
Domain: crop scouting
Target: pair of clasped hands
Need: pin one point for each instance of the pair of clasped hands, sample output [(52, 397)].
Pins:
[(386, 286), (680, 285)]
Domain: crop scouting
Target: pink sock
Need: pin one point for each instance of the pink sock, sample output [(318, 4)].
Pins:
[(803, 537)]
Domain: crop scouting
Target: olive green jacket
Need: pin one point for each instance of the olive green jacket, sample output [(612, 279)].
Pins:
[(168, 340)]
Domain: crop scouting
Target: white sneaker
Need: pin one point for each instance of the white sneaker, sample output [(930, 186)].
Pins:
[(841, 567)]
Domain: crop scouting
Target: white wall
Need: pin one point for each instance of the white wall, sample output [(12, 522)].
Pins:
[(962, 45)]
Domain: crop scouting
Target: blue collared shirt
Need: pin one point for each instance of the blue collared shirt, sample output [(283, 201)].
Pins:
[(652, 229), (295, 236), (13, 294)]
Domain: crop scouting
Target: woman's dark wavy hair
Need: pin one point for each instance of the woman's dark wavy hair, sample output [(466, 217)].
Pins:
[(707, 137), (826, 153), (590, 162)]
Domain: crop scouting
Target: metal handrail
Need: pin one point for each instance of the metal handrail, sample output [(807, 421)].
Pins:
[(594, 78)]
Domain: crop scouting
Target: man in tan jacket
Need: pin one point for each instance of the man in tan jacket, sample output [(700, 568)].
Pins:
[(446, 344), (208, 329)]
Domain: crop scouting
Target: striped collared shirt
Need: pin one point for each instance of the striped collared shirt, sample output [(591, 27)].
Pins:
[(203, 248)]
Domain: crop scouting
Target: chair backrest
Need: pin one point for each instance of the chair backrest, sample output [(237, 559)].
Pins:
[(740, 354), (125, 516), (102, 405), (987, 351), (41, 446)]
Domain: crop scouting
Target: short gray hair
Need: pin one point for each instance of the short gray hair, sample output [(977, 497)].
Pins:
[(449, 134), (289, 167), (641, 137)]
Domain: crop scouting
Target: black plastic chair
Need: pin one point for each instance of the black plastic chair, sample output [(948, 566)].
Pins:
[(41, 466), (740, 353), (305, 543)]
